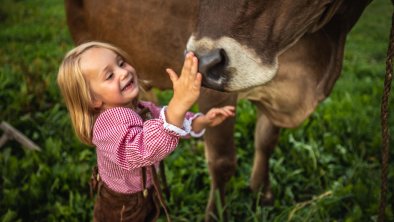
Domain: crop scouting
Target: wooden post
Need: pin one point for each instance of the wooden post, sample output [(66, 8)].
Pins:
[(11, 133)]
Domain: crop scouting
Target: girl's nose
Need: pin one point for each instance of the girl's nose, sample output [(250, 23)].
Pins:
[(123, 73)]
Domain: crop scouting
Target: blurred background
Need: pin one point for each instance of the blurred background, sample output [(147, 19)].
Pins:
[(328, 169)]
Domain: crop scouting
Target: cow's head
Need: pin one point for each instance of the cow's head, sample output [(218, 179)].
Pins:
[(239, 42)]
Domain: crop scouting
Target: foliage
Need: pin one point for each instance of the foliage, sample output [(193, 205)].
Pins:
[(328, 169)]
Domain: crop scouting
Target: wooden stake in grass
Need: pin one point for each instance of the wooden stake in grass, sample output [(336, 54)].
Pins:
[(11, 133)]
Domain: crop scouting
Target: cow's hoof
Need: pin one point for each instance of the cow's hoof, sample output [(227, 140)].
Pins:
[(267, 198)]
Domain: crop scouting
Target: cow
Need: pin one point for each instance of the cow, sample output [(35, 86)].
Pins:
[(285, 56)]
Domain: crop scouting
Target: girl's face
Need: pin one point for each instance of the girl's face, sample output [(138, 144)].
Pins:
[(112, 80)]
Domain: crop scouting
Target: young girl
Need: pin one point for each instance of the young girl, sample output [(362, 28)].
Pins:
[(101, 90)]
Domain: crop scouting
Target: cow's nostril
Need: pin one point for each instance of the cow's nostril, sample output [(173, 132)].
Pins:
[(212, 66), (212, 62)]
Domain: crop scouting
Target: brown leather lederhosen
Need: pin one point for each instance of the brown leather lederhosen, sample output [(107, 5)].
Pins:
[(140, 206)]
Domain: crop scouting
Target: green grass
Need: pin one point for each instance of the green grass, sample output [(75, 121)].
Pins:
[(328, 169)]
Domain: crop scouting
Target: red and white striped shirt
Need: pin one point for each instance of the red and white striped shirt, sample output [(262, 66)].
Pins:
[(125, 144)]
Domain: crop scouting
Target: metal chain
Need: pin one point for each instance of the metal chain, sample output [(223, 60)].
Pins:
[(384, 121)]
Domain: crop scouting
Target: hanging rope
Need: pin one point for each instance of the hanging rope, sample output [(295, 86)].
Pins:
[(384, 121)]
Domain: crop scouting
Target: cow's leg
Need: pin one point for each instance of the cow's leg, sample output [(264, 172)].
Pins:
[(219, 149), (266, 138)]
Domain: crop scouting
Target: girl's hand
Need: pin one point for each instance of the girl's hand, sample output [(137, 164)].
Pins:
[(186, 90), (187, 85), (215, 116)]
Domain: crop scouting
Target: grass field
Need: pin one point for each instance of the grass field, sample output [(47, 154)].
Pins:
[(328, 169)]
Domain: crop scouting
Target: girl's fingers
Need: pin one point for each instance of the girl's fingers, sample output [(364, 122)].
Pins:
[(217, 113), (198, 79), (194, 67), (172, 74), (226, 111), (190, 67), (230, 109), (188, 63)]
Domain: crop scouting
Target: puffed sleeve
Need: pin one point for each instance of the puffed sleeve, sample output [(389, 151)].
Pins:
[(121, 135)]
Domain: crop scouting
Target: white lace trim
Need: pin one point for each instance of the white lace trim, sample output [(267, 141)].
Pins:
[(192, 133), (182, 132)]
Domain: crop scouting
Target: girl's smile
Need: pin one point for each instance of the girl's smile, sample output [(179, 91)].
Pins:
[(129, 85)]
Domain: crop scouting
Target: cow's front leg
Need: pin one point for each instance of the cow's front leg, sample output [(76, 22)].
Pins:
[(219, 150), (266, 138)]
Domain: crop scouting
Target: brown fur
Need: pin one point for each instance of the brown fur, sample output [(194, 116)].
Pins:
[(306, 36)]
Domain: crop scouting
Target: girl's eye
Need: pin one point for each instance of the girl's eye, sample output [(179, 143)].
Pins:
[(109, 76), (122, 63)]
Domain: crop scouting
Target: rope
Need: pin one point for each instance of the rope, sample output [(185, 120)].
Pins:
[(384, 120)]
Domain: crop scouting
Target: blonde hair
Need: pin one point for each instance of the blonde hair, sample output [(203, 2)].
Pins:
[(76, 92)]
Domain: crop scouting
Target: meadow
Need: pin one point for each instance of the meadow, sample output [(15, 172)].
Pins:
[(328, 169)]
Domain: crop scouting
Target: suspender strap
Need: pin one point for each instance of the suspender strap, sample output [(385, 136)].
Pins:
[(159, 193), (145, 115), (163, 178), (144, 190), (94, 181)]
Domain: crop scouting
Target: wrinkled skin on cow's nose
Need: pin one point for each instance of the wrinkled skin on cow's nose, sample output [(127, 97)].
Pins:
[(212, 67)]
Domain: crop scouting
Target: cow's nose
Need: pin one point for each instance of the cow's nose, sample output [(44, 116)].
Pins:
[(212, 66), (214, 59)]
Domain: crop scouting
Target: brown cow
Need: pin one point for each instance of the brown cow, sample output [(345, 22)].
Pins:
[(283, 55)]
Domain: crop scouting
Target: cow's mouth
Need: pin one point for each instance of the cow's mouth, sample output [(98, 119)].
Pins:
[(214, 79)]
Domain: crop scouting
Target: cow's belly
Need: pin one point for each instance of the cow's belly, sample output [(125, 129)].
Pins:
[(288, 101)]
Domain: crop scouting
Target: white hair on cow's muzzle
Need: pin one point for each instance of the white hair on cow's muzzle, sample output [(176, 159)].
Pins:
[(245, 66)]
